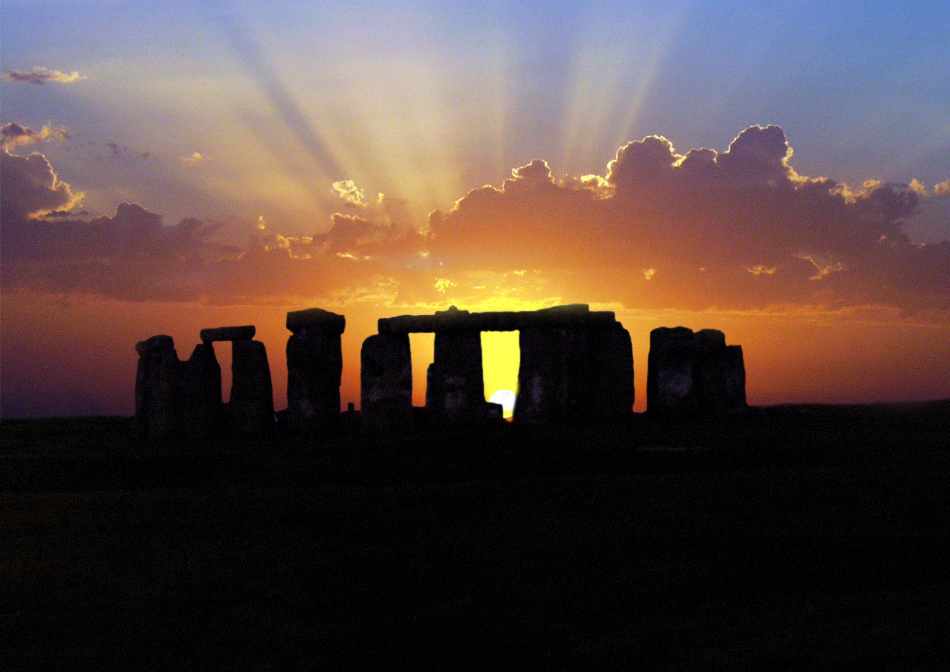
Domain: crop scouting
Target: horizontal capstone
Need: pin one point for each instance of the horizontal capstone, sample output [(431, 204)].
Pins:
[(574, 316), (316, 317), (244, 333)]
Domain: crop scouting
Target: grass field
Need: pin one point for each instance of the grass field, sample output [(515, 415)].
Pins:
[(803, 537)]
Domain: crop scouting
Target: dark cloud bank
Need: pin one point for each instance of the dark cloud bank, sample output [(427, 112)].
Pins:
[(736, 230)]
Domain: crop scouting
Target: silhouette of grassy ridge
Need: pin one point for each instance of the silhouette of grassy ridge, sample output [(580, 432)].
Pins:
[(789, 537)]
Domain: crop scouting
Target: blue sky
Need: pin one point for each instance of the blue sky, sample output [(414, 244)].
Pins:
[(449, 96)]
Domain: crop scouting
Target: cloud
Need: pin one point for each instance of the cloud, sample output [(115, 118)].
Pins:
[(350, 193), (384, 227), (194, 159), (39, 76), (132, 255), (14, 135), (942, 189), (737, 229), (117, 151), (29, 188)]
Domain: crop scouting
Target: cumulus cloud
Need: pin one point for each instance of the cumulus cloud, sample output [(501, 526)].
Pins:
[(352, 195), (737, 229), (384, 227), (14, 135), (942, 189), (132, 255), (39, 76), (29, 188), (194, 159)]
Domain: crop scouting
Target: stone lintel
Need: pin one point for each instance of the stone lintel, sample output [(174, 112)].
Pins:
[(316, 317), (574, 316), (160, 342), (245, 333)]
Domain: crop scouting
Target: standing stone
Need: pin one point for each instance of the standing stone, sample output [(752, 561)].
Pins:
[(455, 391), (694, 373), (734, 378), (435, 388), (158, 389), (203, 408), (709, 371), (553, 377), (251, 408), (720, 374), (386, 384), (611, 378), (670, 386), (314, 369)]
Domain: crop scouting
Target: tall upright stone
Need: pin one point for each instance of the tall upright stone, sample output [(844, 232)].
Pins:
[(158, 389), (455, 392), (670, 383), (314, 369), (386, 384), (553, 377), (204, 411), (611, 378), (734, 378), (251, 407), (694, 373), (709, 371)]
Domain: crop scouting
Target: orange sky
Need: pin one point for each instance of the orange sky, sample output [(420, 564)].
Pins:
[(821, 283), (829, 296), (76, 356), (204, 164)]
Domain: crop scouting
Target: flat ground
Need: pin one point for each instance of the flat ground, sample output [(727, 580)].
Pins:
[(799, 537)]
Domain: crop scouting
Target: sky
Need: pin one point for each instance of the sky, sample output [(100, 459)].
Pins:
[(779, 171)]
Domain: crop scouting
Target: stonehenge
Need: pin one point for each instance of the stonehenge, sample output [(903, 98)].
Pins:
[(176, 398), (251, 407), (455, 387), (385, 384), (204, 413), (228, 334), (694, 373), (158, 387), (314, 369), (576, 365)]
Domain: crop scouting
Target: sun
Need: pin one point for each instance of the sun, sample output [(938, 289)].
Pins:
[(507, 400)]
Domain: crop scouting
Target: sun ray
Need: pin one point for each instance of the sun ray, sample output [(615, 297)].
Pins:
[(612, 77)]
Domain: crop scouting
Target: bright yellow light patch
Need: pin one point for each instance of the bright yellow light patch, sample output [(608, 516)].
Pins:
[(501, 357), (443, 284)]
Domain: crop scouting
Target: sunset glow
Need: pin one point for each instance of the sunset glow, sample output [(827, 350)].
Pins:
[(776, 174), (501, 357)]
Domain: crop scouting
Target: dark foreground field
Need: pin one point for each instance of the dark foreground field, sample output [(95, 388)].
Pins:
[(788, 538)]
